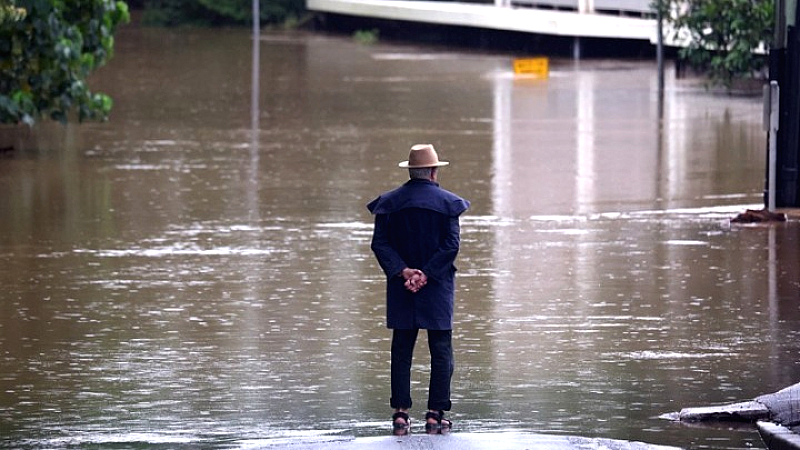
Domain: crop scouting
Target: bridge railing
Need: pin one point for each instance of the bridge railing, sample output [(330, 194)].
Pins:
[(635, 8)]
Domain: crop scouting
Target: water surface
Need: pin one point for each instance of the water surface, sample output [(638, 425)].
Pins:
[(192, 275)]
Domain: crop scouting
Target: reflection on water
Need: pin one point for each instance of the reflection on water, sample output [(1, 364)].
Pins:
[(186, 275)]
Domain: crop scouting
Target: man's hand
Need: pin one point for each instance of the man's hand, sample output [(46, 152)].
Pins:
[(415, 279)]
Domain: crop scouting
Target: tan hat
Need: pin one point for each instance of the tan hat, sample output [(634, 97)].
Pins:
[(421, 156)]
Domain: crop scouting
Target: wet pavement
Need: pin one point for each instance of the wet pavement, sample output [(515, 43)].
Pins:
[(512, 440)]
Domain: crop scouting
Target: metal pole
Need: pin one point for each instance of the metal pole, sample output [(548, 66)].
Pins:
[(252, 192), (660, 47), (660, 57), (254, 110), (774, 104)]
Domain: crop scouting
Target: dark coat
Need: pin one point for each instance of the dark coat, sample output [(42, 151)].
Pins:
[(416, 226)]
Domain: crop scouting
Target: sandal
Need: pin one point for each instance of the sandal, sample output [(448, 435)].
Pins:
[(441, 426), (400, 429)]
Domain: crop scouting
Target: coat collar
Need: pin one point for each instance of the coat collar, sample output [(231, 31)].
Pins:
[(416, 193)]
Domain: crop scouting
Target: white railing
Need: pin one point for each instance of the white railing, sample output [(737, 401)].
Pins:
[(641, 8)]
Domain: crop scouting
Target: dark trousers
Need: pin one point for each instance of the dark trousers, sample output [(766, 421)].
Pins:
[(440, 344)]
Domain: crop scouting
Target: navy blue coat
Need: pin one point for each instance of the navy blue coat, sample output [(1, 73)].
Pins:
[(416, 226)]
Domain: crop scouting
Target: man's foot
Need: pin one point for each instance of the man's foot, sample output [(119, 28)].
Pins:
[(435, 423), (401, 423)]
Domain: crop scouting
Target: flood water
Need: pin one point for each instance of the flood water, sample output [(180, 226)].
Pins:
[(196, 272)]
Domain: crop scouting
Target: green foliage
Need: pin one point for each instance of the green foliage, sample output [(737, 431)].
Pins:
[(220, 12), (10, 12), (724, 35), (367, 37), (175, 12), (46, 57)]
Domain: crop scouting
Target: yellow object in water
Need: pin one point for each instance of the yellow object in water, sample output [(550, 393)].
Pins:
[(532, 66)]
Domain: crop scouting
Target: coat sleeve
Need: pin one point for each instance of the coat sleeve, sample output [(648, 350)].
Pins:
[(388, 258), (441, 264)]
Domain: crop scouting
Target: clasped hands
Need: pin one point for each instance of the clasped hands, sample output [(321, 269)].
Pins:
[(415, 279)]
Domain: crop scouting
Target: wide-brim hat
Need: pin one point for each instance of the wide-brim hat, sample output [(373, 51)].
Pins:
[(422, 156)]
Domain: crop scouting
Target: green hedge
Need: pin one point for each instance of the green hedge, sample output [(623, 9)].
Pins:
[(46, 56), (723, 35), (219, 12)]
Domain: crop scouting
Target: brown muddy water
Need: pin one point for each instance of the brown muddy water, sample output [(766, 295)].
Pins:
[(185, 276)]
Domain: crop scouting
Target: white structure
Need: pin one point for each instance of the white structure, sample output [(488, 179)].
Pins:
[(620, 19)]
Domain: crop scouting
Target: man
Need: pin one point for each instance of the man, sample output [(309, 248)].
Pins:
[(416, 240)]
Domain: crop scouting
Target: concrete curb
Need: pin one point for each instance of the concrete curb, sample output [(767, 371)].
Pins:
[(744, 411), (778, 437), (767, 411), (781, 407)]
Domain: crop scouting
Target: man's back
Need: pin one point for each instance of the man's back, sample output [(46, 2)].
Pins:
[(415, 241)]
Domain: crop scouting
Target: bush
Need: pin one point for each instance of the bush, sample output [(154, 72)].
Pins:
[(367, 37), (724, 36), (46, 57), (219, 12), (9, 12)]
